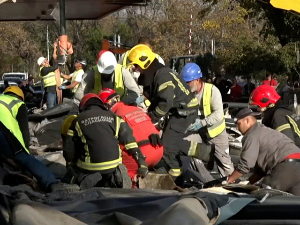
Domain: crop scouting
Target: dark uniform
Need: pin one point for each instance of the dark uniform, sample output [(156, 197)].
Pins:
[(273, 155), (170, 96), (283, 120), (97, 134)]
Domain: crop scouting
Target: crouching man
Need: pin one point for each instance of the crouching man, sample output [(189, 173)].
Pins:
[(96, 158), (145, 133), (272, 155)]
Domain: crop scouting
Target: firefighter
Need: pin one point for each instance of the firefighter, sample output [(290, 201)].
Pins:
[(76, 76), (47, 74), (270, 153), (14, 138), (170, 98), (210, 122), (96, 159), (276, 115), (145, 133), (108, 74)]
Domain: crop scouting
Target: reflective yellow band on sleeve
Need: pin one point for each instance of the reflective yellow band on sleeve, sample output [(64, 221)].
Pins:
[(283, 127), (131, 145), (165, 85), (160, 112), (70, 133)]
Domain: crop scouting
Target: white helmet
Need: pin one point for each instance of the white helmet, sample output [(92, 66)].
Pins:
[(40, 60), (106, 62)]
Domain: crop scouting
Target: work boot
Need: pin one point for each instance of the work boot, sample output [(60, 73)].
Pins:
[(126, 180), (63, 187)]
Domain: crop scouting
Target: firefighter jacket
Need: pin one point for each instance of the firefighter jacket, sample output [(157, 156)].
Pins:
[(211, 110), (9, 107), (168, 93), (97, 134), (74, 89), (49, 79), (283, 120)]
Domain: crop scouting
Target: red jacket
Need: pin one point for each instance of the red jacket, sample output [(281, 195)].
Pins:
[(142, 127)]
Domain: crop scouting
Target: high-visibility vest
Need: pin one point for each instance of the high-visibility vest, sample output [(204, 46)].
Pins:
[(124, 62), (218, 127), (73, 79), (118, 81), (9, 107), (49, 79)]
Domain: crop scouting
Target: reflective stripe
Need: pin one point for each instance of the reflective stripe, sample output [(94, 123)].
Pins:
[(147, 103), (10, 105), (99, 166), (160, 112), (193, 149), (87, 158), (165, 85), (193, 103), (118, 81), (175, 172), (218, 127), (180, 85), (295, 126), (118, 123), (131, 145), (283, 127), (70, 133)]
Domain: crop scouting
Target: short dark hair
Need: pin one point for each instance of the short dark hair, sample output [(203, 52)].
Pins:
[(144, 40)]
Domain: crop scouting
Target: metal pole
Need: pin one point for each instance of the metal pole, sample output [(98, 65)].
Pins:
[(48, 54), (62, 17), (190, 33)]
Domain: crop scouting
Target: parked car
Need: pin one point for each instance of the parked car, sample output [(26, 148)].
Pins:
[(22, 76)]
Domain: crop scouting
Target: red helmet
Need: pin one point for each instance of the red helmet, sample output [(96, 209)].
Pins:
[(86, 98), (107, 94), (263, 96)]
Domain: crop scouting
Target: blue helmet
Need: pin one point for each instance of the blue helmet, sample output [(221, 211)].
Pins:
[(190, 72)]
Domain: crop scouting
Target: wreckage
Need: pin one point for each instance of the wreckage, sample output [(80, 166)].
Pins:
[(202, 200)]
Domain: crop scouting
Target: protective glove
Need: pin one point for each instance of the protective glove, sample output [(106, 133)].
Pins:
[(138, 156), (195, 126), (139, 100), (155, 140), (142, 171), (62, 87)]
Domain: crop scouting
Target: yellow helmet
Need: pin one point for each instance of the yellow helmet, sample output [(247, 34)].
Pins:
[(66, 125), (15, 90), (141, 55)]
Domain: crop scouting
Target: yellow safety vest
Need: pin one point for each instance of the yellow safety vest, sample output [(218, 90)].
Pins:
[(220, 126), (118, 81), (9, 107), (73, 79), (49, 79)]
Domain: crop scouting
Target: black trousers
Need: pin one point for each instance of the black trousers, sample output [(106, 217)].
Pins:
[(172, 138), (285, 177)]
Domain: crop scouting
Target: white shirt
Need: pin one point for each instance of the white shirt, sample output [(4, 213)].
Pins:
[(79, 76)]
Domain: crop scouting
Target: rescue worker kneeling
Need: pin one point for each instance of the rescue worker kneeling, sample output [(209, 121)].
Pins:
[(96, 158), (146, 134)]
